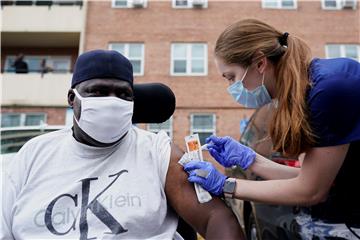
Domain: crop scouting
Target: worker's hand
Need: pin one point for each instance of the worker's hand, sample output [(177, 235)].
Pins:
[(206, 175), (229, 152)]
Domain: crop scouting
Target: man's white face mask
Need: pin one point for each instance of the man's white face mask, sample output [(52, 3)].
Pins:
[(105, 119)]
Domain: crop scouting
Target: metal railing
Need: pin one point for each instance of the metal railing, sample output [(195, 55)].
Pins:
[(42, 3)]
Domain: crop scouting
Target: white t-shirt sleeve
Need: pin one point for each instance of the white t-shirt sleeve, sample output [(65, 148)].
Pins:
[(163, 151)]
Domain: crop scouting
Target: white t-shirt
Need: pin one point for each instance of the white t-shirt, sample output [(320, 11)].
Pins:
[(56, 187)]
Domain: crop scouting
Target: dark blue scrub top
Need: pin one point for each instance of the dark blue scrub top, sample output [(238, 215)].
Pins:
[(334, 104), (334, 100)]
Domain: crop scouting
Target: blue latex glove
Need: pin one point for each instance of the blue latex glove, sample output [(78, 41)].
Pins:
[(213, 182), (229, 152)]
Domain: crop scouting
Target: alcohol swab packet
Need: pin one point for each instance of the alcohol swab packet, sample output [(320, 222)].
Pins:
[(185, 159), (194, 152)]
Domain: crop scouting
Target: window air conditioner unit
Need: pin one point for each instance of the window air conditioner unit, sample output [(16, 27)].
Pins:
[(348, 4), (138, 3), (199, 3)]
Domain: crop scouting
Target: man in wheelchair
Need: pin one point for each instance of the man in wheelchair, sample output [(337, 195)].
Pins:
[(104, 178)]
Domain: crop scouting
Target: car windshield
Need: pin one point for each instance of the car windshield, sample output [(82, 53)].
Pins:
[(256, 134), (13, 139)]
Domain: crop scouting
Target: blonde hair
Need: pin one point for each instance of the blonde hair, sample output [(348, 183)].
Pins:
[(246, 42)]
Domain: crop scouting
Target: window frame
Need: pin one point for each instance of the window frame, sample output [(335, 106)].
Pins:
[(279, 5), (169, 130), (126, 54), (23, 118), (338, 5), (198, 130), (342, 50), (188, 6), (188, 59), (129, 4)]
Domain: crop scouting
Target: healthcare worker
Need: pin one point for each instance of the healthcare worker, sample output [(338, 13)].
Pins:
[(317, 112)]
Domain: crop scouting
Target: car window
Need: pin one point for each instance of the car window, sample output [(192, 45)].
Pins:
[(13, 140), (256, 134)]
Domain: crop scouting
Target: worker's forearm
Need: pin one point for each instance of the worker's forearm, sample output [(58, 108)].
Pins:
[(278, 192), (223, 225), (269, 170)]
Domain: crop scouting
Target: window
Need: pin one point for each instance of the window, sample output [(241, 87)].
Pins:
[(165, 126), (283, 4), (343, 50), (338, 4), (204, 125), (128, 3), (189, 3), (22, 119), (57, 64), (330, 4), (69, 117), (188, 59), (134, 52)]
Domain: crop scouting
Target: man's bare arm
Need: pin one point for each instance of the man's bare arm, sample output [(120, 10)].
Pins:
[(213, 220)]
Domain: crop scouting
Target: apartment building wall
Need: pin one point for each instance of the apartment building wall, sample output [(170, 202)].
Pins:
[(159, 25)]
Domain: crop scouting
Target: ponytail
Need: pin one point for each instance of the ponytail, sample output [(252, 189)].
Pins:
[(290, 130)]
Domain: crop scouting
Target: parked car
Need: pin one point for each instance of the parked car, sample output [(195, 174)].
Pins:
[(264, 221), (13, 138)]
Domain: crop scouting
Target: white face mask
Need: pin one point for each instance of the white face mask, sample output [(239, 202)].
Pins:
[(105, 119)]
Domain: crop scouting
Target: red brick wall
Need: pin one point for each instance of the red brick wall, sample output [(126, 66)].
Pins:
[(158, 25)]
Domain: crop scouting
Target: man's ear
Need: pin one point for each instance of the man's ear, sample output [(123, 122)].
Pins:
[(71, 98)]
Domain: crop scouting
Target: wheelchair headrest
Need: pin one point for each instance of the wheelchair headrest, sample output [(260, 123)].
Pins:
[(153, 103)]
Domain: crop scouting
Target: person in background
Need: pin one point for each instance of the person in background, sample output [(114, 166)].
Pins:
[(44, 68), (20, 65)]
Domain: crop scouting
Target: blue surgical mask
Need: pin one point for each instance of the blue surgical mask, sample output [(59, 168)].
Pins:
[(250, 99)]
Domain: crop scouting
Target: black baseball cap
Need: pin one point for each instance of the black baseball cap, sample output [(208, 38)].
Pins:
[(102, 64)]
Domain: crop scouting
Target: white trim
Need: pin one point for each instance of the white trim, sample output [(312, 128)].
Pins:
[(129, 4), (198, 130), (188, 60), (342, 48), (279, 5), (126, 54)]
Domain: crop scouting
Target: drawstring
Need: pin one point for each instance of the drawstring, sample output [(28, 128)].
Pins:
[(352, 231)]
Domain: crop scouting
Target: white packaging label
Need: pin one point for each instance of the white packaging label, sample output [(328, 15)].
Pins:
[(194, 153)]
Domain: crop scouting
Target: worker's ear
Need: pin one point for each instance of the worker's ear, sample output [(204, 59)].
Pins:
[(261, 65), (71, 98)]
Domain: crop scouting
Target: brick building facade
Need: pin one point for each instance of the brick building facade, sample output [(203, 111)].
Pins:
[(159, 35)]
